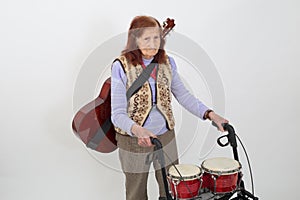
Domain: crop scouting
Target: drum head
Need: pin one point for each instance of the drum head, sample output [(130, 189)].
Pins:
[(221, 166), (188, 172)]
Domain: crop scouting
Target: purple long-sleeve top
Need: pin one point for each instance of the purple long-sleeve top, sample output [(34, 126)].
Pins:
[(155, 122)]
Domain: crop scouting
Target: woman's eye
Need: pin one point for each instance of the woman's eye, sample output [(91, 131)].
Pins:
[(147, 38)]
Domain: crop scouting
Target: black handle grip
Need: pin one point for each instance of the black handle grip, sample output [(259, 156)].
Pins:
[(231, 135), (224, 125), (156, 142)]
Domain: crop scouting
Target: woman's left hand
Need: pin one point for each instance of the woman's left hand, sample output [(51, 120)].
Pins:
[(218, 120)]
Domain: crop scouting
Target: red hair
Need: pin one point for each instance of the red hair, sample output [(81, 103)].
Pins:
[(137, 27)]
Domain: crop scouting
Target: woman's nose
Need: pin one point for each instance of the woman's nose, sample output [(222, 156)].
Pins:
[(153, 43)]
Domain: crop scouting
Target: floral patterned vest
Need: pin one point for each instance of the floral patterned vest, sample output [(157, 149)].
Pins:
[(140, 104)]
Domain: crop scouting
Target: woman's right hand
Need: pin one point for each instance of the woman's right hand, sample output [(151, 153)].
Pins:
[(143, 135)]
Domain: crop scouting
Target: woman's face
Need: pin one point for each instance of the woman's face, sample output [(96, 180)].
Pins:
[(149, 42)]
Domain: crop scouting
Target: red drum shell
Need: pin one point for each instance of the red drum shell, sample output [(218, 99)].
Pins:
[(190, 185), (182, 189), (224, 183), (220, 174)]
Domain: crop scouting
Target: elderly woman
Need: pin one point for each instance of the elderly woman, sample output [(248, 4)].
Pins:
[(148, 112)]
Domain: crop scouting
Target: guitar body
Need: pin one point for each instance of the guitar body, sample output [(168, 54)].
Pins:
[(89, 120)]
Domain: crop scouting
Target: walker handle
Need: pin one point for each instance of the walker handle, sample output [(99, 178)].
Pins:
[(156, 142)]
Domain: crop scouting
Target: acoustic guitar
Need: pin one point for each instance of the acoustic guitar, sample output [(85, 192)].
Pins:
[(92, 123)]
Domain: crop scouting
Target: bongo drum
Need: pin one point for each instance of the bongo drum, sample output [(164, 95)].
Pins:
[(220, 174), (187, 183)]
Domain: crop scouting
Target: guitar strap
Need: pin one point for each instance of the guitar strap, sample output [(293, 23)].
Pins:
[(101, 133), (139, 82)]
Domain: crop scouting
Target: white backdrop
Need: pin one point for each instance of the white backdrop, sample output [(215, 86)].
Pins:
[(43, 45)]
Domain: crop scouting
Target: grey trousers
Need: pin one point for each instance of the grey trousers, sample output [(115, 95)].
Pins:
[(136, 161)]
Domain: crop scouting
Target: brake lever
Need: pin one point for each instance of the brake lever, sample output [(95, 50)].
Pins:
[(222, 144)]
